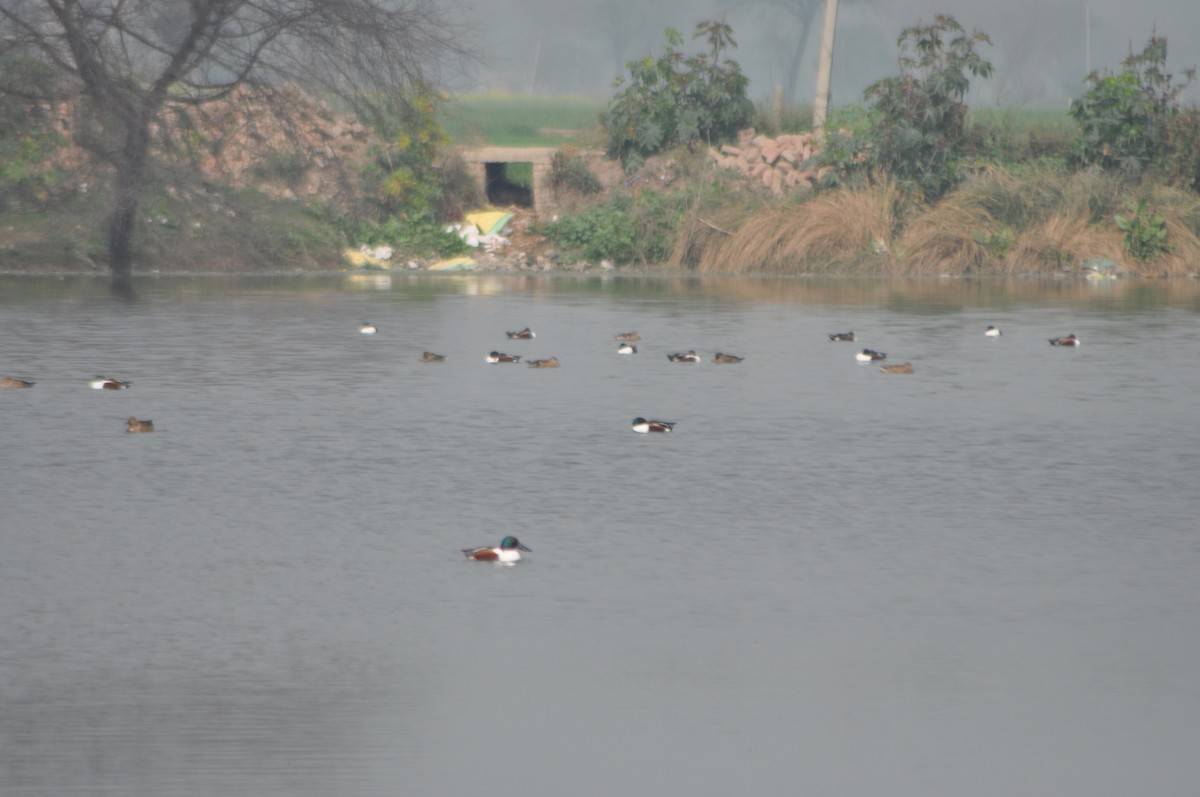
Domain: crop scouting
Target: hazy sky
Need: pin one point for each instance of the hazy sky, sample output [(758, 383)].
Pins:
[(1039, 46)]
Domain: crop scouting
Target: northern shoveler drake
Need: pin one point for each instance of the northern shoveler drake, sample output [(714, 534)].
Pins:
[(684, 357), (549, 362), (869, 355), (902, 368), (993, 332), (106, 383), (509, 551), (430, 357), (1069, 340), (500, 357), (368, 329), (726, 359), (842, 336), (643, 426), (9, 381), (134, 425), (522, 334), (627, 348), (630, 337)]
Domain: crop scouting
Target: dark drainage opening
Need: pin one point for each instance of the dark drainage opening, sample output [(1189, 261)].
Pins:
[(509, 184)]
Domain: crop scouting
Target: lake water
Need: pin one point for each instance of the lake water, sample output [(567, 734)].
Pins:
[(979, 579)]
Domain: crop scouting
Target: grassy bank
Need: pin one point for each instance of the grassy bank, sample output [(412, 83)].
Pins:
[(1002, 221)]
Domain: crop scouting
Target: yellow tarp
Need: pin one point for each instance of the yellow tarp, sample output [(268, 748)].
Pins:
[(488, 221), (454, 264), (363, 260)]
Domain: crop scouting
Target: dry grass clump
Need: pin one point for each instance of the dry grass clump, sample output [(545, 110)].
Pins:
[(1083, 227), (1061, 241), (947, 238), (1044, 221), (1180, 211), (848, 231)]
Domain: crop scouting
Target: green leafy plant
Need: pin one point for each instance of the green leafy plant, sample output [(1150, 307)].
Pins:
[(404, 174), (27, 143), (997, 242), (678, 99), (1123, 118), (1145, 231), (625, 229), (413, 237), (921, 122)]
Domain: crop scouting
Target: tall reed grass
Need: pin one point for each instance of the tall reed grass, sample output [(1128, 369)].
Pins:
[(841, 231)]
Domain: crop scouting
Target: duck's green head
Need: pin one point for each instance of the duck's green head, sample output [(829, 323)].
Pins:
[(509, 543)]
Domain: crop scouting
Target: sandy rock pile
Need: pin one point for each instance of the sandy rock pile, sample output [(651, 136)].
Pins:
[(308, 152), (777, 163)]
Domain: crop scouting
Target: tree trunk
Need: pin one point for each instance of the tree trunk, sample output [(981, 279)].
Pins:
[(130, 169), (825, 67)]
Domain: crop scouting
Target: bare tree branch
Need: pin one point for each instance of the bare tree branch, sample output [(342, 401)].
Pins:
[(133, 58)]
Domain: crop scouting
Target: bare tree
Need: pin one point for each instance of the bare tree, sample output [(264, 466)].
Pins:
[(129, 60)]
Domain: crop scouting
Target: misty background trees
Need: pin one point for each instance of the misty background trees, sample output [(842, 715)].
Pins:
[(1040, 50), (125, 61)]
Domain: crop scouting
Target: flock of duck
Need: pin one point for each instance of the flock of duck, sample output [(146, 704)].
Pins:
[(626, 345), (870, 355), (510, 548), (97, 383)]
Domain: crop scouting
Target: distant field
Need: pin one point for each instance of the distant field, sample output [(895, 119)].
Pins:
[(522, 121), (513, 120), (1050, 119)]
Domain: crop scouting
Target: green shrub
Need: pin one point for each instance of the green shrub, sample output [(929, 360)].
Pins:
[(847, 151), (678, 99), (404, 175), (1145, 231), (25, 145), (921, 126), (997, 242), (626, 229), (1123, 118)]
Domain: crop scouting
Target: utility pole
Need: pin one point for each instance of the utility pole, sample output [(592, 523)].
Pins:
[(825, 66), (1087, 37)]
